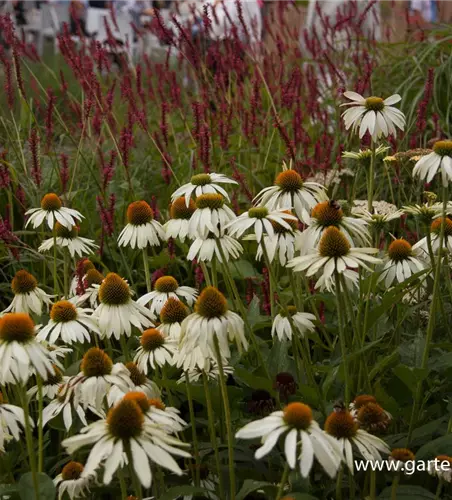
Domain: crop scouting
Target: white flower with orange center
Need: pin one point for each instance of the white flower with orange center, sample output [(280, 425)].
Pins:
[(290, 190), (180, 213), (92, 279), (98, 376), (207, 249), (156, 412), (203, 184), (402, 261), (117, 312), (171, 317), (155, 350), (164, 288), (28, 297), (71, 483), (126, 430), (342, 426), (302, 322), (12, 420), (281, 244), (441, 467), (373, 114), (51, 387), (69, 324), (435, 231), (304, 440), (21, 354), (438, 161), (69, 238), (141, 384), (212, 372), (142, 230), (261, 220), (52, 211), (328, 214), (334, 255), (198, 330), (67, 402), (211, 215)]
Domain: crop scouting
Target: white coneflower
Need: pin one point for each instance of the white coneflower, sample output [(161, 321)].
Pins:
[(127, 430), (141, 383), (327, 214), (117, 312), (342, 426), (71, 483), (171, 317), (211, 215), (364, 156), (302, 321), (303, 442), (51, 387), (177, 226), (203, 184), (401, 262), (68, 403), (334, 254), (142, 230), (363, 400), (261, 220), (52, 211), (69, 324), (281, 244), (211, 371), (372, 418), (435, 230), (373, 114), (291, 191), (155, 350), (69, 238), (97, 376), (28, 297), (439, 160), (211, 319), (156, 412), (12, 419), (167, 287), (441, 467), (205, 250), (20, 352), (400, 456), (92, 279), (383, 213)]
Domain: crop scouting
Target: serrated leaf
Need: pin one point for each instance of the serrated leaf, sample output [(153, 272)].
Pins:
[(27, 490)]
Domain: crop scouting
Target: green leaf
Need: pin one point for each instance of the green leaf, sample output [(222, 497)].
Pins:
[(46, 487), (243, 269), (439, 446), (249, 486), (407, 492), (252, 380), (302, 496), (179, 491), (410, 376)]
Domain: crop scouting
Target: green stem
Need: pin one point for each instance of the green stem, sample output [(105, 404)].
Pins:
[(193, 429), (214, 273), (370, 190), (206, 273), (122, 485), (66, 272), (271, 277), (227, 414), (213, 434), (125, 351), (431, 318), (135, 481), (55, 276), (29, 440), (373, 485), (439, 489), (146, 270), (283, 482), (395, 485), (342, 338), (40, 426)]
